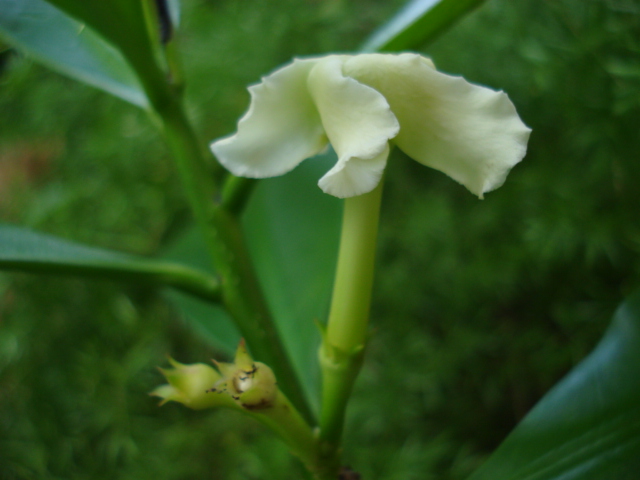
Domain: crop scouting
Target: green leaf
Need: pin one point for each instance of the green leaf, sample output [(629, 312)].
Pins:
[(212, 322), (27, 251), (133, 28), (588, 426), (66, 46), (418, 23), (122, 22)]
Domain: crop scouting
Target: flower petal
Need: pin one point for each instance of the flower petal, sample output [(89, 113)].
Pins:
[(359, 123), (281, 128), (471, 133), (354, 174)]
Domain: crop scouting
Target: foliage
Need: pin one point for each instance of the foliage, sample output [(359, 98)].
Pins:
[(479, 309)]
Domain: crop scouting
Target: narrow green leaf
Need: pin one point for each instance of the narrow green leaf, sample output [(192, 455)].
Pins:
[(67, 46), (27, 251), (418, 23), (588, 426)]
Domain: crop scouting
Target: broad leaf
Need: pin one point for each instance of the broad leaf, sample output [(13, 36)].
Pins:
[(65, 45), (24, 250), (588, 426), (419, 22)]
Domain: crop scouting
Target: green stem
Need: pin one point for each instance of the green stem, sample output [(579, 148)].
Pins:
[(351, 300), (241, 293), (346, 333), (285, 420), (243, 298), (236, 192), (216, 212)]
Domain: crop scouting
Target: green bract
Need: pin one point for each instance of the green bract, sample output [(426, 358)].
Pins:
[(191, 385), (361, 103), (243, 384)]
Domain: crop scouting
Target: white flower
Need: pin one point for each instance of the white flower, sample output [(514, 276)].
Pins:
[(361, 103)]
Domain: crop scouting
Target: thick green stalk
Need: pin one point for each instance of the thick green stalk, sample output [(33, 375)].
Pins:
[(346, 333), (351, 300)]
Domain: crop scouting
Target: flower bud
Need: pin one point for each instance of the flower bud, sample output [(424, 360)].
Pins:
[(251, 384), (191, 385), (244, 384)]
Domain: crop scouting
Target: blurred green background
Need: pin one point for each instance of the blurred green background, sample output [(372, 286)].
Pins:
[(480, 306)]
